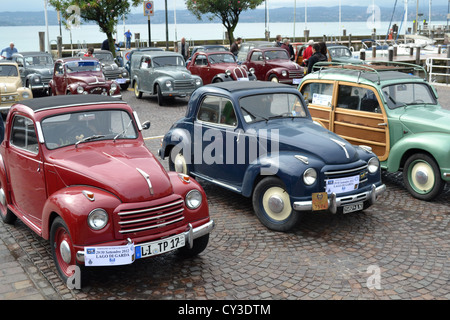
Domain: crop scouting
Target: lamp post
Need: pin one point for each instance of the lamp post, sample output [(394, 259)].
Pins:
[(46, 26)]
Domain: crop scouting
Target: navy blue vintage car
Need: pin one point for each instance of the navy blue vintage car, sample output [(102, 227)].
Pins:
[(258, 139)]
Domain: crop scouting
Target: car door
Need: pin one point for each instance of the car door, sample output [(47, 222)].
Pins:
[(257, 62), (216, 138), (359, 117), (200, 67), (319, 98), (145, 74), (26, 171)]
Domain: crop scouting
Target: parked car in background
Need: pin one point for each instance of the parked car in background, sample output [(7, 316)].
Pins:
[(36, 70), (246, 47), (162, 74), (111, 68), (273, 64), (394, 113), (11, 89), (218, 67), (335, 53), (128, 55), (206, 48), (81, 76), (76, 171), (258, 139)]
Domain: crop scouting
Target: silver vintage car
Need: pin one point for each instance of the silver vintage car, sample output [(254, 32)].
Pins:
[(163, 74)]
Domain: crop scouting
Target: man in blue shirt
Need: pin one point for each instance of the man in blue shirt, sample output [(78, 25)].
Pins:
[(128, 37), (9, 51)]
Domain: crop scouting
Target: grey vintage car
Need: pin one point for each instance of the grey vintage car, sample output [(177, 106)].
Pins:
[(36, 69), (111, 69), (163, 74)]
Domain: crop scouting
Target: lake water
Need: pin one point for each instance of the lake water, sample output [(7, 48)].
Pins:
[(26, 38)]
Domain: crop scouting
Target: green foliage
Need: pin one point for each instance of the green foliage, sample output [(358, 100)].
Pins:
[(105, 12), (227, 11)]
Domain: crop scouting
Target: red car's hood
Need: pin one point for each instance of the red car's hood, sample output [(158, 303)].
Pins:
[(282, 63), (88, 77), (113, 168)]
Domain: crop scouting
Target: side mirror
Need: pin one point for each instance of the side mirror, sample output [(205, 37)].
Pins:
[(146, 125)]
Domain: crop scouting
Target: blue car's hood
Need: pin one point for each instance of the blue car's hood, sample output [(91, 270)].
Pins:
[(306, 138)]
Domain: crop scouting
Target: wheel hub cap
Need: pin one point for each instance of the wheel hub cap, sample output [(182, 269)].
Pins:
[(421, 177), (276, 204), (64, 249)]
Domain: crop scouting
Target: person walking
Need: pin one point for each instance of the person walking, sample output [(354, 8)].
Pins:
[(9, 51), (128, 39), (317, 56), (234, 49)]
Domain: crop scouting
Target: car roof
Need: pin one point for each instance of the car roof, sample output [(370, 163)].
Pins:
[(45, 103), (27, 53), (235, 86), (156, 53)]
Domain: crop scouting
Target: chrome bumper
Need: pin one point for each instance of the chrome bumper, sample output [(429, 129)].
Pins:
[(190, 236), (335, 202)]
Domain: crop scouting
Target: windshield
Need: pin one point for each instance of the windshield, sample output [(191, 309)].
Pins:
[(82, 66), (340, 52), (167, 61), (276, 54), (68, 129), (104, 56), (406, 94), (269, 106), (8, 71), (221, 58), (38, 61)]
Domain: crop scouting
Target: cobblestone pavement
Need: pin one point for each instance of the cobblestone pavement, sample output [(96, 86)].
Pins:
[(403, 242)]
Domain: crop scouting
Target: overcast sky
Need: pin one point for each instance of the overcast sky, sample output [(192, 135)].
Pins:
[(38, 5)]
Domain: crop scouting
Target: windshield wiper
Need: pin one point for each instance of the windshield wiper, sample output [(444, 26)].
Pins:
[(123, 132), (90, 138), (252, 115)]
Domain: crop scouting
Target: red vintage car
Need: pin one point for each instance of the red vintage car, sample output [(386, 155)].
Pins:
[(77, 172), (273, 64), (218, 66), (81, 76)]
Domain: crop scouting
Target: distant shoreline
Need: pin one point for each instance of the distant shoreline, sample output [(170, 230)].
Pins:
[(315, 14)]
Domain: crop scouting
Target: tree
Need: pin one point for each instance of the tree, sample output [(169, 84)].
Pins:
[(105, 12), (227, 11)]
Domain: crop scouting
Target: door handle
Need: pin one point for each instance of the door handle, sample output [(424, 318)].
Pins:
[(383, 124)]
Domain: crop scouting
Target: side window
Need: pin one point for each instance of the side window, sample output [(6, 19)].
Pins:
[(146, 62), (200, 60), (217, 110), (23, 134), (357, 98), (256, 56), (318, 93), (59, 69)]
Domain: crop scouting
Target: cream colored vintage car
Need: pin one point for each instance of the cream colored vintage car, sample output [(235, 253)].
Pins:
[(11, 89)]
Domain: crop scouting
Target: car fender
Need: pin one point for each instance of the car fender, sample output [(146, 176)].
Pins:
[(73, 204), (22, 90), (437, 144), (72, 87), (30, 76), (4, 180), (275, 71), (182, 185), (283, 165), (222, 77), (176, 137)]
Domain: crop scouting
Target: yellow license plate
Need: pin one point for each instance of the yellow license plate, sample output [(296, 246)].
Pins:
[(319, 201)]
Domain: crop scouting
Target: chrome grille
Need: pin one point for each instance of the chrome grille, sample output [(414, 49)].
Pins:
[(9, 98), (361, 171), (184, 85), (296, 74), (143, 219)]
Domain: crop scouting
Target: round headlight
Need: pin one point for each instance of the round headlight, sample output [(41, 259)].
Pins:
[(80, 89), (284, 73), (309, 176), (37, 79), (198, 82), (97, 219), (251, 70), (113, 86), (373, 165), (124, 74), (25, 95), (168, 83), (193, 199), (228, 72)]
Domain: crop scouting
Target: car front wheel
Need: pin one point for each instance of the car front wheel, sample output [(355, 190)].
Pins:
[(421, 176), (5, 213), (137, 93), (272, 205)]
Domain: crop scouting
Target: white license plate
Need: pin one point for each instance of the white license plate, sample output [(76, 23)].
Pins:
[(121, 81), (296, 81), (342, 185), (353, 207), (161, 246)]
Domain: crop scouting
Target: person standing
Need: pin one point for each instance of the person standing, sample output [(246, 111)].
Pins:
[(308, 51), (89, 52), (183, 49), (235, 46), (128, 39), (278, 40), (317, 56), (9, 51)]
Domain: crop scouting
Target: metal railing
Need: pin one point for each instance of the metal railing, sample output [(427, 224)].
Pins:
[(438, 69)]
